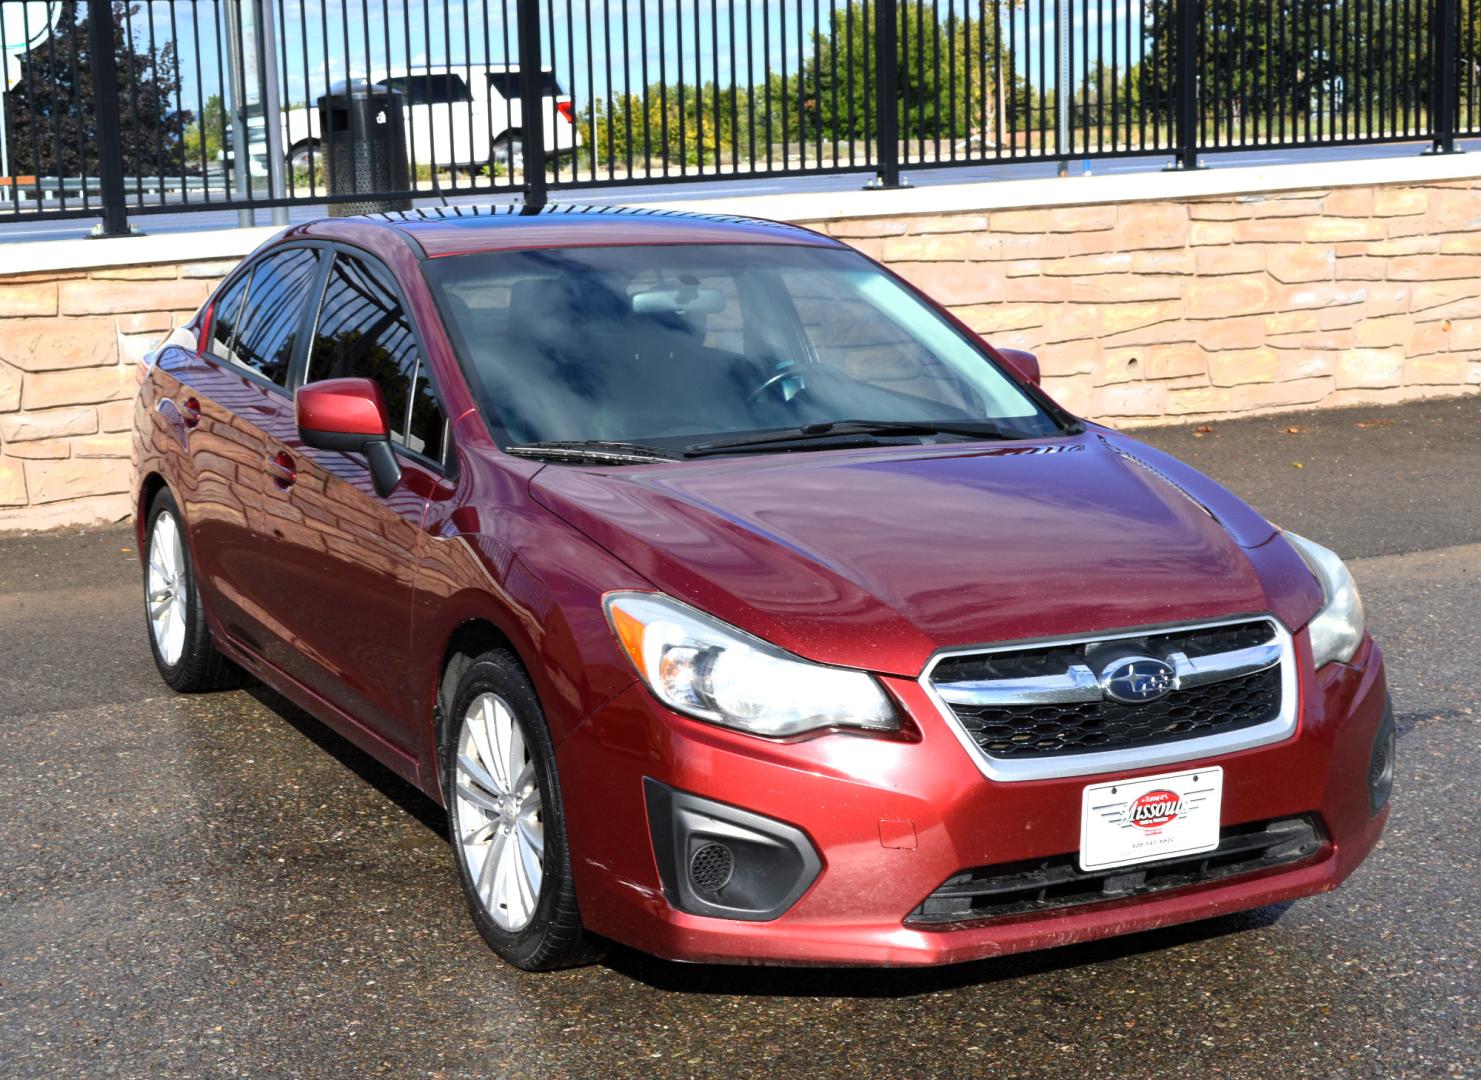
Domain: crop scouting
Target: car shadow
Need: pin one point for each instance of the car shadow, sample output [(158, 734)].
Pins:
[(772, 981), (408, 797)]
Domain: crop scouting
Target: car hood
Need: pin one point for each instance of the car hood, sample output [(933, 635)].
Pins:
[(875, 558)]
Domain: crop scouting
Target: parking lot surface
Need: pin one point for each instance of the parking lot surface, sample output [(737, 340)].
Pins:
[(219, 886)]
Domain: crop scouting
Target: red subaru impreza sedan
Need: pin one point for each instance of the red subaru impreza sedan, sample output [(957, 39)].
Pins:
[(738, 602)]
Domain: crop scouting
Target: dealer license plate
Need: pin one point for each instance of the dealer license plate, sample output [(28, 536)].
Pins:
[(1150, 818)]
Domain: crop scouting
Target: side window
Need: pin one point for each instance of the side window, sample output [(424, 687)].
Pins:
[(507, 84), (364, 333), (268, 327), (225, 310), (456, 89), (431, 89)]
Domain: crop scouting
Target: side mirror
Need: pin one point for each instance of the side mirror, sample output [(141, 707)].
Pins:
[(1025, 363), (349, 415)]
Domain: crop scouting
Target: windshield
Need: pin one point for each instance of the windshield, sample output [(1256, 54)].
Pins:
[(671, 345)]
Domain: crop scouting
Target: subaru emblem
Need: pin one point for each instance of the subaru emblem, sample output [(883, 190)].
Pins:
[(1136, 680)]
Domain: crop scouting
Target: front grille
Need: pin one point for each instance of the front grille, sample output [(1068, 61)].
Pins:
[(993, 892), (1044, 701), (1087, 727), (1031, 660)]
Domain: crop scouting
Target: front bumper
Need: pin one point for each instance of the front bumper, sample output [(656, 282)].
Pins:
[(891, 819)]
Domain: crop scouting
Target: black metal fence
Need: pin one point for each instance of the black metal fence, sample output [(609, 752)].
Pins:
[(115, 108)]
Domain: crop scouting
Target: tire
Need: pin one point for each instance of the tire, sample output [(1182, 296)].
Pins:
[(174, 615), (495, 816), (300, 156), (508, 151)]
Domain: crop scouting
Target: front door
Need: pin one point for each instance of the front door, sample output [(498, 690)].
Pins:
[(342, 559)]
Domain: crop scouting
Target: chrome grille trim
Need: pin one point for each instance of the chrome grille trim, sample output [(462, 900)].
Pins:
[(1203, 670), (1076, 684), (1197, 671), (1079, 683)]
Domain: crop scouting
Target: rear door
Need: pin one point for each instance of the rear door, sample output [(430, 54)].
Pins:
[(343, 558), (226, 407)]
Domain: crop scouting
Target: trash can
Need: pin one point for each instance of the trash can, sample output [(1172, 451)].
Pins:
[(364, 144)]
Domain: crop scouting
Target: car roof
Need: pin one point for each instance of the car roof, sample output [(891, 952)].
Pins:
[(460, 230)]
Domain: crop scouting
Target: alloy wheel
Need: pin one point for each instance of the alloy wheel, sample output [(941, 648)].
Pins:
[(167, 589), (499, 825)]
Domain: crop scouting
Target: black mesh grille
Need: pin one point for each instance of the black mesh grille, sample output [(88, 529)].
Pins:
[(711, 867), (1087, 727), (992, 892)]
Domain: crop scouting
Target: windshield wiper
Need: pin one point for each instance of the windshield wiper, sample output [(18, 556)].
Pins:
[(974, 429), (598, 451)]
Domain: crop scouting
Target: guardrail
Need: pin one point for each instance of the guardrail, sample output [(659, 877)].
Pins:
[(159, 106)]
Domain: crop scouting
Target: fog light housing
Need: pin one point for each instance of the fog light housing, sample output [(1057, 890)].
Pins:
[(711, 867), (1381, 761), (726, 862)]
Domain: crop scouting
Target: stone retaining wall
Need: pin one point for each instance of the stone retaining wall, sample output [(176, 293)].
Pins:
[(1140, 312), (70, 342), (1174, 311)]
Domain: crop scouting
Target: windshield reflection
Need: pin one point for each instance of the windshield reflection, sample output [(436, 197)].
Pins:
[(665, 344)]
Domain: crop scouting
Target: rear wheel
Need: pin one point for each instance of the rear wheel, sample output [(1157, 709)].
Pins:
[(508, 151), (305, 156), (506, 819), (179, 637)]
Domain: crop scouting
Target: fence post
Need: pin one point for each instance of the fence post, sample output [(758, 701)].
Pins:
[(1185, 86), (531, 107), (1444, 90), (105, 117), (272, 106), (886, 96)]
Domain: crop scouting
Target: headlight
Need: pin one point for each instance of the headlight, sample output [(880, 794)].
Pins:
[(700, 666), (1336, 630)]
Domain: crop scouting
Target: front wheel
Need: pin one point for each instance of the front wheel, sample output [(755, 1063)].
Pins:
[(507, 822)]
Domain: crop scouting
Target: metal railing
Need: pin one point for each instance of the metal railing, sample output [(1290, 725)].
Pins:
[(113, 109)]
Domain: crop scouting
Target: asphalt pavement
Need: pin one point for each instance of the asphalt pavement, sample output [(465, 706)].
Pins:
[(219, 886)]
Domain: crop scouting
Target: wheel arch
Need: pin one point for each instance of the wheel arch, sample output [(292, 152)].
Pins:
[(468, 641), (149, 487)]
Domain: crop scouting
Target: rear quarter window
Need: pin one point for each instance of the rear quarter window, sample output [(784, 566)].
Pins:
[(225, 311)]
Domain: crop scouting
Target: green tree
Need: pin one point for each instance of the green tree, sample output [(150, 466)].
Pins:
[(948, 73), (50, 110), (203, 136), (676, 122), (1270, 65)]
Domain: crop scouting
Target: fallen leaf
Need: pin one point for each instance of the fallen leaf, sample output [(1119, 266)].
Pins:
[(1200, 432), (1298, 464)]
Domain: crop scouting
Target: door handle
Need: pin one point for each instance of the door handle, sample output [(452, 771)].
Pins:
[(283, 471), (190, 412)]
